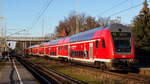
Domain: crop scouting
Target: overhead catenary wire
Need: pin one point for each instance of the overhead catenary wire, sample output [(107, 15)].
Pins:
[(124, 10), (16, 32), (36, 21), (115, 6), (41, 14)]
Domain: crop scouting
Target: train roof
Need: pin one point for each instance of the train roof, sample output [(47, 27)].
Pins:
[(33, 46), (77, 37), (118, 28), (87, 35), (43, 44)]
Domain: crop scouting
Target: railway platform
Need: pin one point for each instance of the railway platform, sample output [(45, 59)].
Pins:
[(13, 72)]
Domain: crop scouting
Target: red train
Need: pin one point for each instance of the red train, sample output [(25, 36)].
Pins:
[(110, 47)]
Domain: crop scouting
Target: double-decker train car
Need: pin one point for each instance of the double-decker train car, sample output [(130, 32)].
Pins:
[(32, 50), (110, 47)]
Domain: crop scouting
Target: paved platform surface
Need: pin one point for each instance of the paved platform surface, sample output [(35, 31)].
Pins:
[(14, 73)]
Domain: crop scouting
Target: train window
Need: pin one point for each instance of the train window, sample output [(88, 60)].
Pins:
[(72, 53), (80, 55), (52, 53), (66, 47), (77, 53), (103, 44), (97, 42), (83, 54), (86, 54)]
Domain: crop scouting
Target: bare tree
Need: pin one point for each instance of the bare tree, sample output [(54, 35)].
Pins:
[(91, 23), (61, 29), (68, 25)]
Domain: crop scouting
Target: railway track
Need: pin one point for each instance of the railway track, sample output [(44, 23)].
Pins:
[(48, 76), (108, 77)]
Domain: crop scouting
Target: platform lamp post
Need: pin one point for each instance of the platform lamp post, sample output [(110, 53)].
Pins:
[(1, 25), (5, 38), (2, 34), (77, 16)]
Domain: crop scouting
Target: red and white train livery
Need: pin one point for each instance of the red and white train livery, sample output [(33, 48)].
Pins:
[(109, 47)]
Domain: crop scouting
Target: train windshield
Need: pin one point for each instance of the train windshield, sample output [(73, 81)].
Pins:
[(122, 41)]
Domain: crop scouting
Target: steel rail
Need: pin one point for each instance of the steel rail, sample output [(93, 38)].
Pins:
[(49, 76)]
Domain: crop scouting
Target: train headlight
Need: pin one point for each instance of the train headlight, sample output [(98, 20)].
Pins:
[(123, 56), (132, 61)]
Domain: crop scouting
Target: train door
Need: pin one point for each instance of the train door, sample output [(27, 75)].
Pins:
[(65, 50), (91, 50), (99, 49)]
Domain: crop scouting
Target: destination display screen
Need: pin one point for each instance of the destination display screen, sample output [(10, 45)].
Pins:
[(122, 41), (121, 34)]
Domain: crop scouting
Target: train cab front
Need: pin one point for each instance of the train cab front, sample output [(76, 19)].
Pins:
[(123, 51)]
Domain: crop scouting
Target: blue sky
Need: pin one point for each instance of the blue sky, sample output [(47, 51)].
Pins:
[(20, 14)]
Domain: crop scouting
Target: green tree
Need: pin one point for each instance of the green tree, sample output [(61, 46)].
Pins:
[(141, 28)]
